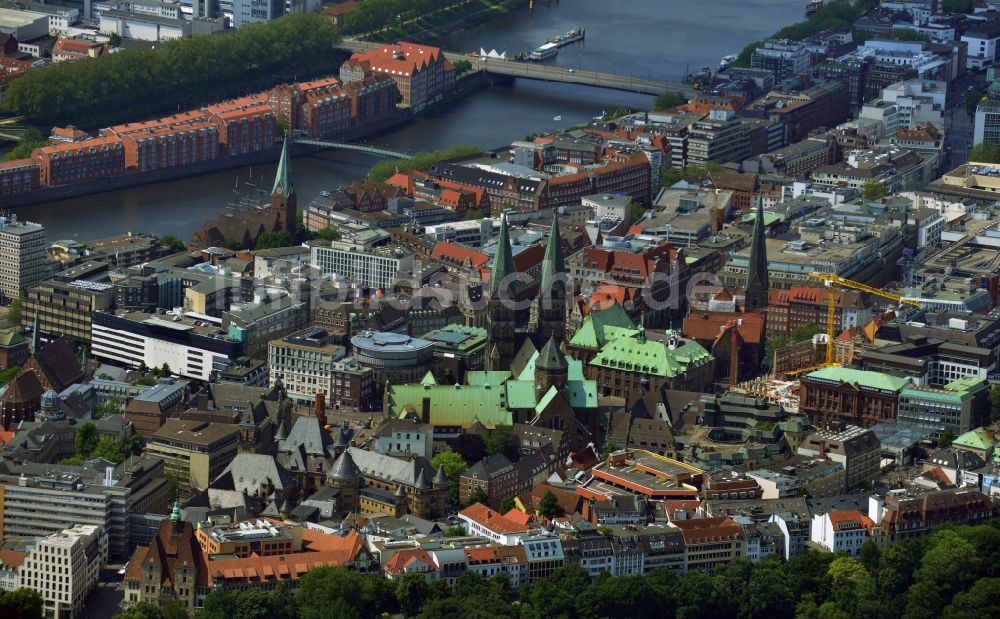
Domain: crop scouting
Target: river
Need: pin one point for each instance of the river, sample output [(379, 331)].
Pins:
[(657, 38)]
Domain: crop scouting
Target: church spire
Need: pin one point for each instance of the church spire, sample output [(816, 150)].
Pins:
[(503, 262), (553, 263), (757, 279), (551, 302), (35, 334), (283, 175)]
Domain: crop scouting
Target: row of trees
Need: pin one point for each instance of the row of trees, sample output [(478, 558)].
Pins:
[(952, 574), (180, 74), (834, 15), (420, 161), (375, 15)]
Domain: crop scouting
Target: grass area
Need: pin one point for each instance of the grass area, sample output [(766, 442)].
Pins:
[(452, 18)]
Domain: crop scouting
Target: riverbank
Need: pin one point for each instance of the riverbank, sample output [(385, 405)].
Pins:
[(448, 21), (136, 179)]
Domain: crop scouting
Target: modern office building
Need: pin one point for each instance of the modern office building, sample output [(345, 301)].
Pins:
[(193, 347), (857, 449), (987, 125), (23, 261), (303, 362), (44, 499), (64, 569), (961, 405), (195, 452), (782, 57), (65, 304), (375, 267)]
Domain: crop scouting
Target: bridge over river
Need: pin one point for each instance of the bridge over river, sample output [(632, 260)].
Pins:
[(550, 73)]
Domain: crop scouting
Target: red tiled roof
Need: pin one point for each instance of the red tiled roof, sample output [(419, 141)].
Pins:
[(706, 326), (386, 59), (492, 520), (13, 558), (702, 530), (849, 519), (404, 558), (515, 515), (342, 8), (452, 252)]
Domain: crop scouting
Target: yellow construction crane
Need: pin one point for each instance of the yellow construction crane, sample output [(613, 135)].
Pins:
[(835, 281)]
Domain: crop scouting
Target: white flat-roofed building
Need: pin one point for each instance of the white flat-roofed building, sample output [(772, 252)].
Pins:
[(377, 267), (64, 569), (191, 347), (24, 25)]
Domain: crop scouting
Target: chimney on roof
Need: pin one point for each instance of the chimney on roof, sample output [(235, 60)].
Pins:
[(319, 407)]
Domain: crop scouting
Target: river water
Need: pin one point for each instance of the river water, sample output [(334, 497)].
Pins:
[(657, 38)]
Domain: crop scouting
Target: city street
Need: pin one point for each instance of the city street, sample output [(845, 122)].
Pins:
[(105, 602), (958, 123)]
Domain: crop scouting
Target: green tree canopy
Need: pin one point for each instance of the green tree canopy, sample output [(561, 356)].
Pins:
[(179, 74), (86, 439), (873, 190), (454, 466), (985, 152), (412, 593), (668, 100), (476, 496), (30, 140), (420, 161), (957, 6), (471, 447), (21, 604), (14, 313), (548, 506), (502, 440)]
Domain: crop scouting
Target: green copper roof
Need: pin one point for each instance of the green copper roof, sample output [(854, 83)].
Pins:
[(769, 218), (635, 354), (175, 514), (487, 378), (283, 175), (553, 263), (428, 379), (601, 326), (967, 384), (975, 439), (488, 396), (757, 268), (545, 400), (503, 261), (956, 391), (861, 378), (520, 394), (453, 405), (10, 338)]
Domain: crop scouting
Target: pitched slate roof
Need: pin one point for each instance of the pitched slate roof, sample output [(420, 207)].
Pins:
[(381, 466), (249, 471), (308, 433)]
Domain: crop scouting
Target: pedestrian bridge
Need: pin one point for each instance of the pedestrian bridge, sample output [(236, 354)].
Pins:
[(360, 148)]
